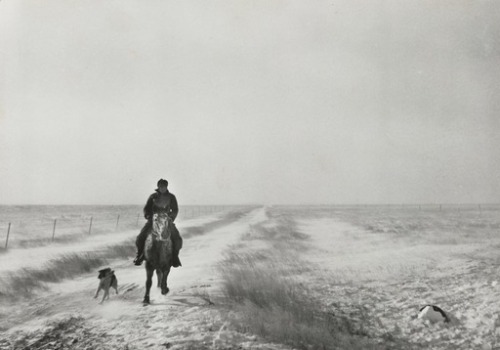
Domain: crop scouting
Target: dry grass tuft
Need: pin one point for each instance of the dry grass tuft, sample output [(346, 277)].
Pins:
[(122, 250), (68, 333), (204, 295), (25, 281), (271, 303)]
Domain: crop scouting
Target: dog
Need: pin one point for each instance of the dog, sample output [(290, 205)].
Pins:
[(107, 280)]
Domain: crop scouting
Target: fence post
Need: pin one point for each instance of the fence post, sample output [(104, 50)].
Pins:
[(54, 229), (117, 220), (7, 240), (90, 227)]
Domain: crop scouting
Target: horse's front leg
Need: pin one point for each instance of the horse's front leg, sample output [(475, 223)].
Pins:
[(149, 282), (159, 276), (164, 287)]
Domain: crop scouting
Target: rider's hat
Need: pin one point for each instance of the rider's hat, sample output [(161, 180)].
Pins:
[(162, 182)]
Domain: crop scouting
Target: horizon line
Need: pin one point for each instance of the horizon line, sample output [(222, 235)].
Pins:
[(264, 204)]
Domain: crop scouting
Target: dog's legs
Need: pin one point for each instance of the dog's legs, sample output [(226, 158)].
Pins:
[(106, 295), (114, 283), (97, 292)]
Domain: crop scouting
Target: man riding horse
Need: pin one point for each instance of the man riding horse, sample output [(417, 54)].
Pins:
[(162, 201)]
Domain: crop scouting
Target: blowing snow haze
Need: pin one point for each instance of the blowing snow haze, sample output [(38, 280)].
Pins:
[(250, 102)]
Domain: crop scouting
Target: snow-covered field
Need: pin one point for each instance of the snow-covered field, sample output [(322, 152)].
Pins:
[(392, 279), (386, 262)]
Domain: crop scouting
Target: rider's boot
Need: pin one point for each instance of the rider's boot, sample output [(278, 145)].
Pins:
[(176, 261), (139, 258)]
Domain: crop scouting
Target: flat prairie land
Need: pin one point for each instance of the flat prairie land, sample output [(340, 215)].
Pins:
[(276, 277)]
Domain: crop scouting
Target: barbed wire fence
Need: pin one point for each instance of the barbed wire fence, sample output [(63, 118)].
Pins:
[(31, 231)]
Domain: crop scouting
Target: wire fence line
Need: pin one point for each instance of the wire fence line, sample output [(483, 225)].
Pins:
[(33, 228), (429, 207), (32, 225)]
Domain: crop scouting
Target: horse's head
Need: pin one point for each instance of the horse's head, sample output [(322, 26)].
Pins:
[(161, 223)]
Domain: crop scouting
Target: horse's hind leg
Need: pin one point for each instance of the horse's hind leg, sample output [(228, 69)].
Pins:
[(149, 282)]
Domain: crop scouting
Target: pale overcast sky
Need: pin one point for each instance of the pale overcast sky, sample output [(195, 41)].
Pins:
[(261, 101)]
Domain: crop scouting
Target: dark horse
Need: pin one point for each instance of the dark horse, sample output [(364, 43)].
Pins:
[(158, 253)]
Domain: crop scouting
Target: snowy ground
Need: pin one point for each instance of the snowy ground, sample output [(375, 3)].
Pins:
[(179, 319), (389, 277)]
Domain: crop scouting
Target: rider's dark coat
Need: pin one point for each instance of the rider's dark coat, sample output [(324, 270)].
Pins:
[(171, 208)]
